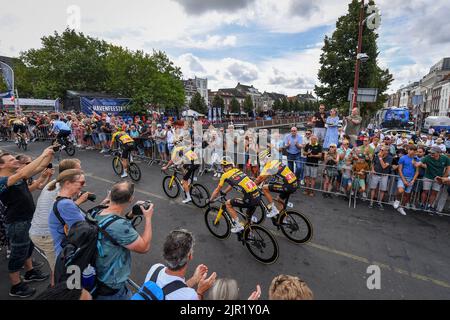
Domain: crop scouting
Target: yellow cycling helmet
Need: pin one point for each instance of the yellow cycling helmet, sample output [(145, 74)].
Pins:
[(226, 161)]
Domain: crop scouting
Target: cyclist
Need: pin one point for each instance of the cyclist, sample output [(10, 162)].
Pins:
[(19, 126), (186, 156), (62, 129), (125, 145), (241, 182), (284, 183)]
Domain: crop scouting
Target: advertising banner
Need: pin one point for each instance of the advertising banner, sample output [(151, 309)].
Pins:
[(99, 105)]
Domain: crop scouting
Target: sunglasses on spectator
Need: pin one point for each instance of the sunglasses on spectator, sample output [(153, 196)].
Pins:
[(82, 182)]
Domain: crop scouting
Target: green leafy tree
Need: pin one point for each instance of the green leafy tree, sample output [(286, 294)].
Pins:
[(285, 105), (337, 61), (198, 104), (235, 106), (277, 105), (218, 102), (3, 86), (248, 104)]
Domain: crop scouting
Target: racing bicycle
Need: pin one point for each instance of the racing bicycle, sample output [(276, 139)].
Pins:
[(259, 242), (21, 141), (133, 169)]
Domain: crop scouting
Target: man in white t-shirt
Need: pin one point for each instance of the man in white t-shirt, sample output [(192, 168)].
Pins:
[(177, 253)]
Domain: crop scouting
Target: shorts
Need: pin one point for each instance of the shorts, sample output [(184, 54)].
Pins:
[(311, 171), (428, 183), (19, 127), (346, 182), (126, 149), (161, 147), (248, 202), (148, 144), (20, 242), (381, 180), (285, 190), (95, 138), (45, 243), (400, 184), (190, 171), (361, 183), (102, 137)]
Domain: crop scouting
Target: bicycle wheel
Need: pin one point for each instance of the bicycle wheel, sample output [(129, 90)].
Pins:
[(220, 228), (259, 215), (295, 226), (23, 144), (171, 188), (70, 149), (134, 171), (199, 195), (117, 165), (261, 244)]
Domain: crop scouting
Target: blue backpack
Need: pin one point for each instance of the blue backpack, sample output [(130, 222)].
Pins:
[(151, 291)]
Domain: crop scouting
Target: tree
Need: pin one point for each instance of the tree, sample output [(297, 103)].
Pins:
[(198, 104), (337, 61), (248, 104), (218, 102), (285, 105), (277, 105), (235, 106)]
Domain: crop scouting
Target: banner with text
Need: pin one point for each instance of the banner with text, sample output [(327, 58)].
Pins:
[(99, 105)]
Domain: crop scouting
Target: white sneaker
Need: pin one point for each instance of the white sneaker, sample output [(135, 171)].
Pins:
[(187, 200), (272, 212), (237, 227), (396, 204), (402, 211), (124, 175), (364, 195), (63, 147)]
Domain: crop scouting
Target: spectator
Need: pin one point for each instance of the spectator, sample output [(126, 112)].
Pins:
[(170, 138), (71, 181), (360, 169), (18, 204), (160, 139), (332, 134), (39, 231), (285, 287), (440, 143), (61, 292), (436, 165), (388, 142), (178, 252), (228, 289), (429, 142), (366, 149), (114, 262), (330, 172), (408, 174), (319, 119), (353, 124), (313, 155), (293, 144), (381, 169)]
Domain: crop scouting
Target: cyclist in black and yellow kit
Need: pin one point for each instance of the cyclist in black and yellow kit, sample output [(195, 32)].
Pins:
[(184, 155), (126, 145), (19, 125), (241, 182), (285, 182)]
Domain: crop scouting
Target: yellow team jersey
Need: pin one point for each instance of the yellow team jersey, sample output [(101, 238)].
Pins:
[(184, 151), (276, 168), (239, 181), (17, 122), (122, 137)]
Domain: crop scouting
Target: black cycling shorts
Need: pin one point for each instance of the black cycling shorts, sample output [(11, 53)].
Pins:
[(248, 202), (126, 149), (285, 190), (19, 127), (190, 171)]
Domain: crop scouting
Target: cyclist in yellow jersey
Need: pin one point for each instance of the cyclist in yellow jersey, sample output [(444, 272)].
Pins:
[(241, 182), (19, 125), (183, 155), (126, 145), (284, 183)]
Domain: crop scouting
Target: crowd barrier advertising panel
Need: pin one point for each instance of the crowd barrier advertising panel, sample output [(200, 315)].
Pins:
[(99, 105)]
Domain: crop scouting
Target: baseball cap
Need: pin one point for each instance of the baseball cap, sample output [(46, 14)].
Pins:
[(159, 125), (435, 149), (361, 156)]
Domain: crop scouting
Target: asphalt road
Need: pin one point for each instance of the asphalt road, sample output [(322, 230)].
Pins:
[(412, 252)]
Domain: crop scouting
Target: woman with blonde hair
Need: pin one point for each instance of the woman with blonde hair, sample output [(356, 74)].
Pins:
[(285, 287), (228, 289)]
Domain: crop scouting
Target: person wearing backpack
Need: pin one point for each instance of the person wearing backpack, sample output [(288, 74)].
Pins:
[(113, 263), (65, 211), (178, 252)]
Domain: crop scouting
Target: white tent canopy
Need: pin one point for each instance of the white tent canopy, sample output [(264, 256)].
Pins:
[(192, 113)]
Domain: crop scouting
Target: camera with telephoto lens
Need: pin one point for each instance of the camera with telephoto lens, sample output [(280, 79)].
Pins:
[(137, 211), (91, 197)]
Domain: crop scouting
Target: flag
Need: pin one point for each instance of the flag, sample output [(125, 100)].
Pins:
[(7, 75)]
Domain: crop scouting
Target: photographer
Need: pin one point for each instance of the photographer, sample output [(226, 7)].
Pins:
[(114, 261)]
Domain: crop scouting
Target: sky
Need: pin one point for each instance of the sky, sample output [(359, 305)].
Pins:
[(274, 45)]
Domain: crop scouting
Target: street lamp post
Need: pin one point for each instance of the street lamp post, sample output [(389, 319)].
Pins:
[(357, 63)]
